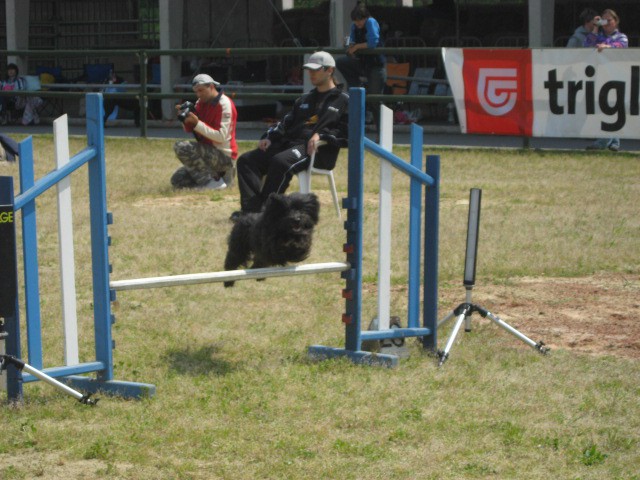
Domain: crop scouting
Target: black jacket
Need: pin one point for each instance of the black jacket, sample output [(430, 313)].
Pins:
[(313, 113)]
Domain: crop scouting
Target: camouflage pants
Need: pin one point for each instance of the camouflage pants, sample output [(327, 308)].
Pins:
[(202, 162)]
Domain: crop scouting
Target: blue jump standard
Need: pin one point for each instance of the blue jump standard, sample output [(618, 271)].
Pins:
[(94, 156), (354, 204)]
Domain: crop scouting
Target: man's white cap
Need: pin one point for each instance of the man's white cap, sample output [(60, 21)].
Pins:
[(319, 60), (203, 79)]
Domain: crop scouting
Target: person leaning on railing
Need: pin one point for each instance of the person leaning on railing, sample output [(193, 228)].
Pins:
[(365, 33), (588, 19)]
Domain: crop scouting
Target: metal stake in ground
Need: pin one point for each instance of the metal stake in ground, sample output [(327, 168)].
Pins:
[(464, 311), (20, 365)]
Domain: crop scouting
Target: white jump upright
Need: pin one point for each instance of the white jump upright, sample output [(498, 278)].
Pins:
[(384, 223), (65, 239)]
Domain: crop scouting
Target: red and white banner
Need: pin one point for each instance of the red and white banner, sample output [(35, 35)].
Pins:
[(546, 92)]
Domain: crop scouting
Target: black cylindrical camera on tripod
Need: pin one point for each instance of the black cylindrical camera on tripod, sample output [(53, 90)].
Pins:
[(185, 108)]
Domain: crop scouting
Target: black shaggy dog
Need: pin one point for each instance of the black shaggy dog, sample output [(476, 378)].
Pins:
[(280, 234)]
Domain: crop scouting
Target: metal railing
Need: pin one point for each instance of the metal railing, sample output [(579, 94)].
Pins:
[(144, 91)]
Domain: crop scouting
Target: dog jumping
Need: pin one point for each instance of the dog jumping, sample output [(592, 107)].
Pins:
[(281, 233)]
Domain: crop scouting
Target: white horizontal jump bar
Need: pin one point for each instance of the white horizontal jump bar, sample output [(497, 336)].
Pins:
[(227, 276)]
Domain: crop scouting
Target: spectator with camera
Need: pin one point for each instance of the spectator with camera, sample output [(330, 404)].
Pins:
[(286, 148), (209, 161), (604, 35)]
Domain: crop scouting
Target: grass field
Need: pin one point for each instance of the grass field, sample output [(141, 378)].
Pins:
[(237, 397)]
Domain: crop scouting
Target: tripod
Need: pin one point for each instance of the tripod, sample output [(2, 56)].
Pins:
[(464, 311)]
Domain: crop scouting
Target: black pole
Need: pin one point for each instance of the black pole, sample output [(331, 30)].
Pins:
[(473, 230), (10, 326)]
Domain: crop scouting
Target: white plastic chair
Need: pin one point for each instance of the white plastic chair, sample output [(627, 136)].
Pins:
[(304, 179)]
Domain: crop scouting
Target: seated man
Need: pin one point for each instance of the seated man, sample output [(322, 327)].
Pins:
[(208, 162), (286, 148)]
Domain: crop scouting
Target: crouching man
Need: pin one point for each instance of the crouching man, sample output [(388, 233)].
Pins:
[(209, 161)]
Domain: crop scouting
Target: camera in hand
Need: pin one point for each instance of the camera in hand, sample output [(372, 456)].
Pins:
[(601, 22), (185, 108)]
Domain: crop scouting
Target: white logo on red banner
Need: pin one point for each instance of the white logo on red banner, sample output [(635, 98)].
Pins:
[(497, 87), (497, 90)]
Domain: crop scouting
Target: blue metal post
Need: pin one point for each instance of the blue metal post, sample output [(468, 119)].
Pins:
[(354, 204), (12, 322), (355, 219), (415, 214), (30, 257), (431, 222), (99, 237)]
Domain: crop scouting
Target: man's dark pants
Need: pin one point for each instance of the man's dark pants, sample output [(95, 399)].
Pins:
[(275, 165)]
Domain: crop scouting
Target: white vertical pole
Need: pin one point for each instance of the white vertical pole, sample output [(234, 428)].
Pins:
[(65, 237), (384, 234)]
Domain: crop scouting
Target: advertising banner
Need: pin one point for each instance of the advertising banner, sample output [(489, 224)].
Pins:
[(579, 93)]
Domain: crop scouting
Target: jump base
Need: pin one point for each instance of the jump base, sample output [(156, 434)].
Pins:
[(320, 352)]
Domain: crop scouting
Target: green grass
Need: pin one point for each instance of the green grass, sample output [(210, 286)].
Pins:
[(238, 399)]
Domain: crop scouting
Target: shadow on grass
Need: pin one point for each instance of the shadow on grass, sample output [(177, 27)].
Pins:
[(198, 362)]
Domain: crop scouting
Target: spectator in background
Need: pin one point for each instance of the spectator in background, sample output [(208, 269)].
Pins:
[(28, 105), (365, 33), (209, 161), (606, 35), (588, 19), (113, 105)]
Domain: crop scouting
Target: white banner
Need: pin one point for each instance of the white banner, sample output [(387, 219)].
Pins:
[(547, 92)]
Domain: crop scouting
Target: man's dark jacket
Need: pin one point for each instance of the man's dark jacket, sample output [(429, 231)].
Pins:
[(329, 119)]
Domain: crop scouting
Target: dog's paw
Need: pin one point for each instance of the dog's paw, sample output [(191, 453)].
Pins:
[(229, 284)]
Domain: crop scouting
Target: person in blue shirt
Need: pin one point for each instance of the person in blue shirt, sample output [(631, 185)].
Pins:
[(365, 33)]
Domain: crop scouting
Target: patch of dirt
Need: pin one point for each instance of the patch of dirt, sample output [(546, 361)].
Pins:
[(597, 315)]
